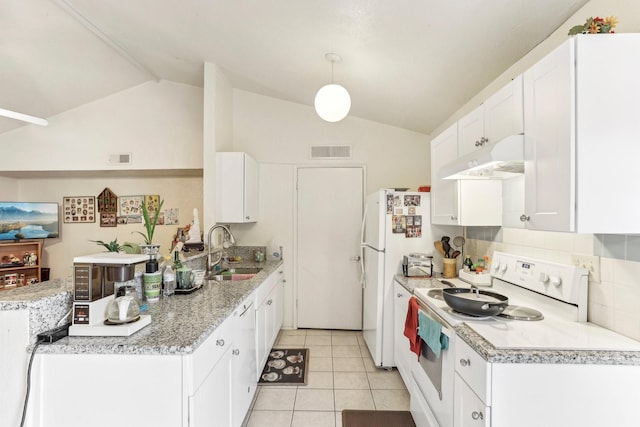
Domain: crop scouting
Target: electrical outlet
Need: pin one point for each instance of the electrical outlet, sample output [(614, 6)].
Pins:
[(590, 262)]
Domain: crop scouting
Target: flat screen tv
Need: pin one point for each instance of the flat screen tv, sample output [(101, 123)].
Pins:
[(29, 220)]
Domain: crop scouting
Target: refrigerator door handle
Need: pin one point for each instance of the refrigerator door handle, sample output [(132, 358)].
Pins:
[(363, 279), (364, 222)]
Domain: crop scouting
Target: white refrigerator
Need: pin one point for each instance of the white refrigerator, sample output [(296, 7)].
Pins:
[(395, 224)]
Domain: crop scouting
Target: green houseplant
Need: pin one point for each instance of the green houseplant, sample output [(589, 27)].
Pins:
[(150, 226), (112, 246)]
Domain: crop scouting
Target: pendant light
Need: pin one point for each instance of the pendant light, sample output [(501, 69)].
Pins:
[(23, 117), (332, 101)]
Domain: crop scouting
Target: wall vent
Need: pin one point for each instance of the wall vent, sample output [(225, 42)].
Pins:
[(120, 159), (330, 152)]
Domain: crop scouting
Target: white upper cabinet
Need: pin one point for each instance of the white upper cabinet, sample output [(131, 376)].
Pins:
[(581, 136), (550, 142), (444, 192), (500, 116), (236, 188), (608, 132), (465, 202)]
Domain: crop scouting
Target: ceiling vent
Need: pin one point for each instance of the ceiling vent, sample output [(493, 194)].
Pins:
[(330, 152), (120, 159)]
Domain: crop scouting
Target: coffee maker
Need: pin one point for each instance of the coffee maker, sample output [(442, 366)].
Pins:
[(95, 279)]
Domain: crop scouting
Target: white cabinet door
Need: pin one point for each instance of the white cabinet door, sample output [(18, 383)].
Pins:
[(549, 114), (236, 188), (268, 316), (607, 132), (500, 116), (278, 307), (211, 403), (243, 362), (444, 193), (469, 410), (503, 112), (471, 131)]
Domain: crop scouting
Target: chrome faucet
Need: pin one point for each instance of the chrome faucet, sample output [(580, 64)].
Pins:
[(231, 241)]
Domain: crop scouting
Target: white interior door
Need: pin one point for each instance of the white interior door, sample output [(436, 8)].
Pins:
[(329, 213)]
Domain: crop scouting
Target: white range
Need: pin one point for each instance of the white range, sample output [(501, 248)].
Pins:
[(558, 371)]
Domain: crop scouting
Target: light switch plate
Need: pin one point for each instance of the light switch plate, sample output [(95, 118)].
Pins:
[(590, 262)]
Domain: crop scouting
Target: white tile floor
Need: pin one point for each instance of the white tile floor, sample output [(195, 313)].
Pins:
[(341, 376)]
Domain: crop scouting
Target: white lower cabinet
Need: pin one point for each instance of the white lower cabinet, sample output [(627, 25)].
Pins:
[(469, 409), (211, 405), (213, 386), (243, 361), (269, 316)]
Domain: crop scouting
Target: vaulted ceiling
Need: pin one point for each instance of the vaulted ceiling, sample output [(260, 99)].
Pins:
[(407, 63)]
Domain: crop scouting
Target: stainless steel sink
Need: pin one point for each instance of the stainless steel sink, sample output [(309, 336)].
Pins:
[(242, 270), (237, 273)]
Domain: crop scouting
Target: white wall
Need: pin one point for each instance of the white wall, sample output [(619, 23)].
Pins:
[(160, 123), (279, 133), (614, 300), (9, 189), (184, 193), (218, 135), (276, 131)]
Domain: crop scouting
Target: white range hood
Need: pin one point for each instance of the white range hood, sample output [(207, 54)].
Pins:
[(502, 160)]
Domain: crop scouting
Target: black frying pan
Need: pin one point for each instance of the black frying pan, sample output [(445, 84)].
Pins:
[(474, 301)]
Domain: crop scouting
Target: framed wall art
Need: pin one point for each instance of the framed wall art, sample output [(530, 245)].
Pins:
[(108, 219), (130, 205), (78, 209), (153, 202)]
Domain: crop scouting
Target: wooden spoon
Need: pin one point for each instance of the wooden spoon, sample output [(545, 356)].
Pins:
[(439, 248)]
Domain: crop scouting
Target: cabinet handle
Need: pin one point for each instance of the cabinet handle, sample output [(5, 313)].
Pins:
[(247, 217), (524, 218), (453, 218), (270, 302), (484, 140), (220, 343), (477, 143), (477, 415), (399, 295), (465, 362), (246, 309), (235, 352)]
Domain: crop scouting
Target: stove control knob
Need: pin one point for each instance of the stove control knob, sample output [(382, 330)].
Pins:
[(496, 266), (555, 280), (544, 277), (503, 268)]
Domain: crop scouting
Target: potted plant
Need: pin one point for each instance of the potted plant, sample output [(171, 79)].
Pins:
[(150, 223), (113, 246)]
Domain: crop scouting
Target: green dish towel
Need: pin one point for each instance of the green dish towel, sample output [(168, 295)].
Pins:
[(430, 332)]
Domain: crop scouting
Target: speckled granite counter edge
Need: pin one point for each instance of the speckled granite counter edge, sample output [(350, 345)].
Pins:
[(169, 332), (493, 355)]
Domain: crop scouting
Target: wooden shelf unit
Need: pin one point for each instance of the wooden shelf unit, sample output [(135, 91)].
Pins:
[(17, 275)]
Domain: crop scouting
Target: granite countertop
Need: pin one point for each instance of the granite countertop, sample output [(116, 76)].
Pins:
[(494, 355), (179, 323)]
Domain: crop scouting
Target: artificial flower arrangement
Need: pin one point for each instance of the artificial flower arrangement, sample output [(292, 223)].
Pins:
[(595, 26)]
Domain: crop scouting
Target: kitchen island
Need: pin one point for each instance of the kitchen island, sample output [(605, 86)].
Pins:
[(162, 374)]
